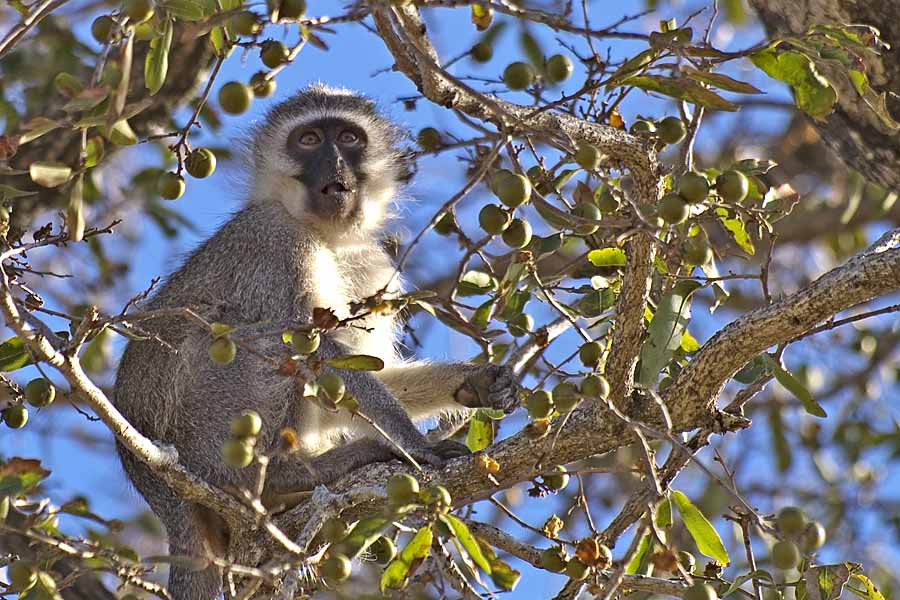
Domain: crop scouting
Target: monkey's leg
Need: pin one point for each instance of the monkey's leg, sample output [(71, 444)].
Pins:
[(194, 533), (428, 389)]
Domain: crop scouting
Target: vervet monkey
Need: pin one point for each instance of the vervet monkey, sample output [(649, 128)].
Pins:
[(326, 166)]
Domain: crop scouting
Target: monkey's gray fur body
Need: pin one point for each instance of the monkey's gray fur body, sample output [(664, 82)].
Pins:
[(269, 266)]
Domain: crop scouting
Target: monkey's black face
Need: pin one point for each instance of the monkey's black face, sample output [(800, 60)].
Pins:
[(329, 154)]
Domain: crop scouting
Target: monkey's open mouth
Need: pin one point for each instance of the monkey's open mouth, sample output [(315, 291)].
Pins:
[(334, 188)]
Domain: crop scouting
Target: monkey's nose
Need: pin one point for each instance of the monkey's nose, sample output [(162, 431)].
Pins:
[(334, 188)]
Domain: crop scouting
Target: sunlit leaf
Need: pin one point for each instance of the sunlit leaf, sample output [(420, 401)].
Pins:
[(121, 133), (37, 127), (408, 560), (156, 65), (814, 93), (49, 174), (467, 540), (683, 89), (701, 530), (357, 362), (362, 535), (481, 431), (796, 387), (738, 232), (607, 257), (666, 329)]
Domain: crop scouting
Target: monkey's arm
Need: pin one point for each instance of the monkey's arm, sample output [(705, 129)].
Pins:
[(427, 389)]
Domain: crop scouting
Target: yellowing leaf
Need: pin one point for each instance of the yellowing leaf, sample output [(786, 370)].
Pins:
[(156, 65), (49, 174)]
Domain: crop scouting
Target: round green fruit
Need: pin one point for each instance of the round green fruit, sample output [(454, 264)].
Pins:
[(402, 489), (15, 416), (785, 555), (292, 10), (642, 127), (336, 568), (673, 209), (273, 53), (262, 87), (540, 404), (235, 97), (40, 392), (595, 386), (558, 480), (521, 324), (222, 350), (237, 453), (814, 537), (445, 225), (335, 529), (559, 68), (514, 190), (566, 396), (696, 250), (429, 139), (671, 130), (384, 550), (590, 353), (732, 186), (246, 23), (493, 219), (170, 185), (332, 385), (693, 187), (518, 76), (518, 234), (305, 342), (554, 559), (576, 569), (791, 520), (22, 575), (497, 179), (138, 11), (481, 52), (700, 591), (246, 425), (437, 496), (588, 157), (102, 28), (200, 163), (588, 211)]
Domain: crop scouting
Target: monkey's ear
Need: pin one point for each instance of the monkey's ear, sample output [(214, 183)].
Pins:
[(406, 166)]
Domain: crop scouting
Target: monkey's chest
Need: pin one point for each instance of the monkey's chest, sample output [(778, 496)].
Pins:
[(341, 279)]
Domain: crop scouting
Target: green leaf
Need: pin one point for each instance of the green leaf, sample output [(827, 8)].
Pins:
[(7, 192), (504, 576), (189, 10), (75, 210), (688, 342), (363, 535), (475, 283), (814, 94), (532, 49), (631, 67), (357, 362), (595, 303), (796, 387), (721, 81), (482, 315), (121, 133), (408, 560), (666, 329), (468, 541), (683, 89), (701, 530), (736, 227), (638, 560), (780, 444), (67, 84), (93, 152), (49, 174), (87, 99), (44, 589), (156, 65), (607, 257), (663, 516), (481, 431), (37, 127), (759, 366)]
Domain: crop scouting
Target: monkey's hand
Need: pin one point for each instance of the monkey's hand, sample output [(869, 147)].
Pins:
[(489, 386)]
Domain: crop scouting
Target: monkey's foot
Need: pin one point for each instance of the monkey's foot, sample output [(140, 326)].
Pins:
[(490, 386), (438, 453)]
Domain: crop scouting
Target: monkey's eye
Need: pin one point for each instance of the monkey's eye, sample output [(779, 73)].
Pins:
[(348, 137), (309, 138)]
